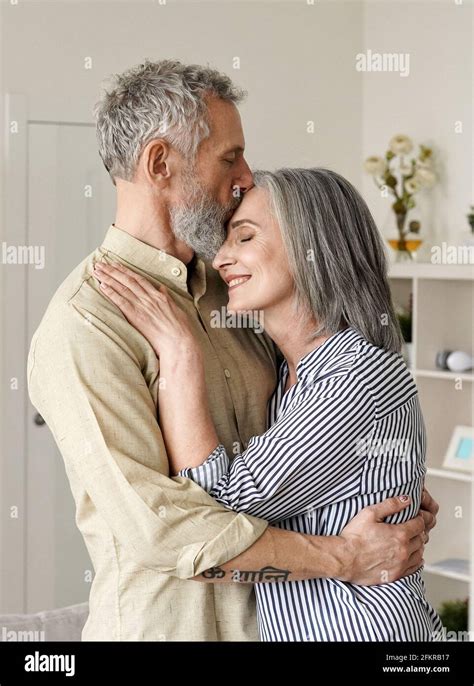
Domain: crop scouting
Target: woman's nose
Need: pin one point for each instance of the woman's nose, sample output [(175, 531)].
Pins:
[(223, 257)]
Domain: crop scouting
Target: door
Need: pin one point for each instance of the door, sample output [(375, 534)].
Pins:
[(70, 204)]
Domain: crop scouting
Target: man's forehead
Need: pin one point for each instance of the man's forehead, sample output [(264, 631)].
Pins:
[(225, 124)]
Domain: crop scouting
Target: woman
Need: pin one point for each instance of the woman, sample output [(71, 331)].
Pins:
[(345, 428)]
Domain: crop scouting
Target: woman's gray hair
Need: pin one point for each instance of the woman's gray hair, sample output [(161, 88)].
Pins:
[(335, 252), (165, 99)]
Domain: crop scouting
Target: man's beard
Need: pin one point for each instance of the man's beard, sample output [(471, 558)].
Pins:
[(200, 220)]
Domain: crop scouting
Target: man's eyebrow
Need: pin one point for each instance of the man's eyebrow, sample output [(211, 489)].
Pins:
[(235, 148), (239, 222)]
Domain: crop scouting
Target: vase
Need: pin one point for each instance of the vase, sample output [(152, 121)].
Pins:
[(404, 248)]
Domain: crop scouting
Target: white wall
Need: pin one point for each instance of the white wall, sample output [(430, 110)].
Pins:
[(425, 105)]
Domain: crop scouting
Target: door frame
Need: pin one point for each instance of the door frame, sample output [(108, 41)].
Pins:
[(13, 406)]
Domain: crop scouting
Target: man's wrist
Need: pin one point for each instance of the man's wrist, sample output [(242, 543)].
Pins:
[(344, 554), (330, 557)]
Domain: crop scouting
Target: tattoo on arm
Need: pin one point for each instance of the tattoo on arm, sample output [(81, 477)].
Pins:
[(264, 575)]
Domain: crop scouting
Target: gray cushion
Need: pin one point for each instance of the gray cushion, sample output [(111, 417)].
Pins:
[(64, 624)]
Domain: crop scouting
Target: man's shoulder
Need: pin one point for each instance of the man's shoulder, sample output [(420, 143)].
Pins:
[(71, 288), (76, 309), (77, 297)]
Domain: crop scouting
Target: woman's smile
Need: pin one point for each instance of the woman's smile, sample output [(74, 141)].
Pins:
[(236, 281)]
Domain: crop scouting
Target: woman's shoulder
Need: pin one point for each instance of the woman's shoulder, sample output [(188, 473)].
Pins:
[(385, 374)]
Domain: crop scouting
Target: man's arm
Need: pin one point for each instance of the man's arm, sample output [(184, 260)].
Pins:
[(367, 552)]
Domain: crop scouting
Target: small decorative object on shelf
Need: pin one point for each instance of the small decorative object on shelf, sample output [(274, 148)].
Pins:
[(402, 177), (457, 361), (460, 453)]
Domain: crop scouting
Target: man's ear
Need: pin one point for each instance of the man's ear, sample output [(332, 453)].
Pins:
[(155, 161)]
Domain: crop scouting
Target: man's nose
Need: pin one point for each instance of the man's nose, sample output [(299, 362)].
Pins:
[(245, 178)]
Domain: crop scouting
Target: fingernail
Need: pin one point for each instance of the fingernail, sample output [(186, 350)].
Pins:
[(404, 498)]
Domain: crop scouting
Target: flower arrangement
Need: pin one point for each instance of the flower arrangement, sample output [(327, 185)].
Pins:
[(403, 176)]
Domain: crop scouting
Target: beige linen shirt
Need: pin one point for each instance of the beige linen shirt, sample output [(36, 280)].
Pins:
[(94, 379)]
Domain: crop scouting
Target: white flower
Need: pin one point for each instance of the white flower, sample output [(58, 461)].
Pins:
[(406, 169), (375, 166), (412, 185), (425, 177), (400, 145), (425, 164)]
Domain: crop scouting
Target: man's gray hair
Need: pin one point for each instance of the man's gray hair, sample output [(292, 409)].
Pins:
[(335, 252), (165, 99)]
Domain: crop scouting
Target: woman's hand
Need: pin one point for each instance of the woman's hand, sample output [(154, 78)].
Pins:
[(184, 417), (150, 310)]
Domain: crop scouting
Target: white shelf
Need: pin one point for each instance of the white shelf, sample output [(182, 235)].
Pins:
[(426, 270), (446, 572), (447, 474), (442, 299), (440, 374)]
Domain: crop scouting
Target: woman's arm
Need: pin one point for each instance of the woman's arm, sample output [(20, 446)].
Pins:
[(184, 416), (307, 459)]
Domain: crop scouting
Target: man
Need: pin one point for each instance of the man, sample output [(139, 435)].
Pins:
[(171, 138)]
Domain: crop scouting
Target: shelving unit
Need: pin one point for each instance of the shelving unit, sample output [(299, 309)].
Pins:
[(442, 298)]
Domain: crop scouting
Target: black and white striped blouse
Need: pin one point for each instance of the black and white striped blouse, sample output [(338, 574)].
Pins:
[(348, 434)]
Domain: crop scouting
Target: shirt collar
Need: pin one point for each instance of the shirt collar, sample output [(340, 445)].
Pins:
[(156, 263), (344, 341)]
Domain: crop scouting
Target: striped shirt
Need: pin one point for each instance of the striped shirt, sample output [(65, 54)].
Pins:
[(348, 434)]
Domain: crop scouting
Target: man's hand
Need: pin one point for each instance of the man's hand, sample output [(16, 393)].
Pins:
[(380, 553)]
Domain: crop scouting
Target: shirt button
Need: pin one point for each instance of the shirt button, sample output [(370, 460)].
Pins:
[(227, 373), (176, 271)]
